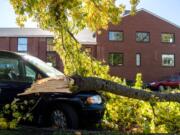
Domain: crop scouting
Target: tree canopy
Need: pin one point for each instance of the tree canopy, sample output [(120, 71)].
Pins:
[(73, 15), (65, 19)]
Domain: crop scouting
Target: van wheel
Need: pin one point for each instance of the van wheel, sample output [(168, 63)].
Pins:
[(161, 88), (64, 117)]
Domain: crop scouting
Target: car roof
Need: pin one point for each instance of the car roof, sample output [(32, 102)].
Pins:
[(9, 53)]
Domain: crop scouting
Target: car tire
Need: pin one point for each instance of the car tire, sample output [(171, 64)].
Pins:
[(161, 88), (64, 117)]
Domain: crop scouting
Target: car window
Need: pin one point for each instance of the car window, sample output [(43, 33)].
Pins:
[(30, 74), (174, 78), (48, 70), (9, 69)]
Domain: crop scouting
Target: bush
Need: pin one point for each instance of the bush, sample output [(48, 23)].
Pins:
[(139, 82), (12, 114), (132, 115)]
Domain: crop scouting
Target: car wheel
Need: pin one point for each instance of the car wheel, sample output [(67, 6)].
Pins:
[(64, 117), (161, 88)]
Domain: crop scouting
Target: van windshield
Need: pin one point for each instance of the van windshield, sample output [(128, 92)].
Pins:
[(41, 65)]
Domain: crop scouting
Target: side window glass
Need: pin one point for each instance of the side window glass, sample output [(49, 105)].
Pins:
[(30, 74), (174, 78), (9, 69)]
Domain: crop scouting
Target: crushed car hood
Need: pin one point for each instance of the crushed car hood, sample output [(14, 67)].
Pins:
[(59, 84)]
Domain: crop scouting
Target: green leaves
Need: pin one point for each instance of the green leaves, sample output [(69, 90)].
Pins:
[(50, 14), (12, 114), (130, 115), (139, 82)]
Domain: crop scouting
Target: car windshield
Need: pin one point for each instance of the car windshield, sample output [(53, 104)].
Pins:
[(171, 78), (47, 69)]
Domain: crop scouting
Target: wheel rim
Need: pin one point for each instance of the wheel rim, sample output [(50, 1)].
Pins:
[(58, 119)]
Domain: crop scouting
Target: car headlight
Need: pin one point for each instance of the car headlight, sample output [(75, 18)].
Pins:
[(153, 83), (96, 99)]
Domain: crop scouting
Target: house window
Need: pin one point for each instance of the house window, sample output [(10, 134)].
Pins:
[(51, 54), (142, 36), (115, 59), (115, 36), (22, 44), (50, 45), (138, 59), (167, 38), (168, 60), (52, 59), (88, 50)]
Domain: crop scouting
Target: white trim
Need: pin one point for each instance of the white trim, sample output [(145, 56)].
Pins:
[(24, 32), (88, 43), (48, 36), (155, 15), (84, 38)]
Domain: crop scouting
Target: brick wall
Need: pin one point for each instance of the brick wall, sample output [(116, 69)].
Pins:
[(151, 67)]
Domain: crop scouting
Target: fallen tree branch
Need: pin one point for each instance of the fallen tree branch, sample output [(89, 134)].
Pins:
[(93, 83)]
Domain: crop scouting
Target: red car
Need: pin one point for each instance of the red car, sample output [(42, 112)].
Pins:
[(170, 82)]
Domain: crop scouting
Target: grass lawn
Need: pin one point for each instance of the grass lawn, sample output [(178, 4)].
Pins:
[(40, 131)]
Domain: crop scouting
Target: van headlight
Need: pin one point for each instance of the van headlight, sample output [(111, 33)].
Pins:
[(153, 83), (96, 99)]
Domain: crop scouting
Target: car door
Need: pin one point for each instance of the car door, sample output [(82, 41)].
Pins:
[(15, 77), (176, 82), (173, 82)]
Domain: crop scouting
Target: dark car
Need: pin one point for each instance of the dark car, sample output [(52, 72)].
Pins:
[(60, 110), (169, 82)]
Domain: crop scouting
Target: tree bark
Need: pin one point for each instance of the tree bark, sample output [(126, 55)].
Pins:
[(93, 83)]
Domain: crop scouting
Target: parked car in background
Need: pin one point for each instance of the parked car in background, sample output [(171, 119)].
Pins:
[(58, 109), (169, 82)]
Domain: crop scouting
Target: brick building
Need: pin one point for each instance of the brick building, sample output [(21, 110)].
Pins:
[(143, 43), (39, 43)]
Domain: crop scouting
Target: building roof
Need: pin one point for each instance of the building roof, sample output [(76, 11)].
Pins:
[(24, 32), (84, 37), (149, 12)]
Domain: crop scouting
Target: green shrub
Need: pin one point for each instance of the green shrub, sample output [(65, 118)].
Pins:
[(12, 114), (139, 82), (132, 115)]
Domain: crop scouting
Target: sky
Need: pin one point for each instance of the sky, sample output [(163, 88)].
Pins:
[(168, 9)]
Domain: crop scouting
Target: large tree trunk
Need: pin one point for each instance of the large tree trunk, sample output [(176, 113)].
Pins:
[(61, 85), (93, 83)]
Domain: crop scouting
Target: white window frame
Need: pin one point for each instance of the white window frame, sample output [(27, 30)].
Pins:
[(22, 44), (112, 36), (143, 36), (50, 45), (171, 40), (121, 56), (171, 61), (138, 59)]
